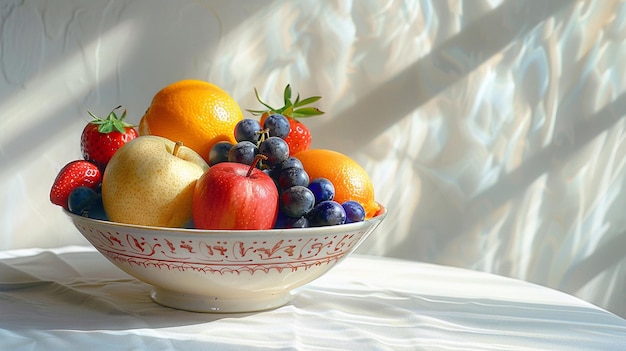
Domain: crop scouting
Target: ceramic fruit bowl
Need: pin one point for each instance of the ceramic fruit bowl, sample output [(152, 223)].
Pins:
[(224, 271)]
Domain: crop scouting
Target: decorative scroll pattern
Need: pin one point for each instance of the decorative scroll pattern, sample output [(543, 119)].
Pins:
[(222, 256)]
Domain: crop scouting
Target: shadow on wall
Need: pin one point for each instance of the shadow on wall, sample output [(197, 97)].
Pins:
[(59, 59), (564, 146), (419, 83), (423, 81)]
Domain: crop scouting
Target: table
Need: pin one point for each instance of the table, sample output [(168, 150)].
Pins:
[(72, 298)]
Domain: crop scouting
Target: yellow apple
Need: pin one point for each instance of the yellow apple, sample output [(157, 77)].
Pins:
[(150, 181)]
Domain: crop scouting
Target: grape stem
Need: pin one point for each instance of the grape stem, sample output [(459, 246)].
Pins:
[(264, 134), (257, 158)]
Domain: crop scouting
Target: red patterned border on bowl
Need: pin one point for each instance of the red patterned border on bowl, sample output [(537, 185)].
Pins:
[(222, 256)]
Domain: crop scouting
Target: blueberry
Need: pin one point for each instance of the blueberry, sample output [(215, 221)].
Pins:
[(281, 220), (327, 213), (219, 152), (277, 125), (323, 189), (83, 199), (354, 211)]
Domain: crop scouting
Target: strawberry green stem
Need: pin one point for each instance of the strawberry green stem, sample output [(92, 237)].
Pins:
[(111, 123), (294, 109)]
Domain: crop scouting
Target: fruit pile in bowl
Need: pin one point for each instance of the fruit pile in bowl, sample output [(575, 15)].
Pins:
[(217, 212)]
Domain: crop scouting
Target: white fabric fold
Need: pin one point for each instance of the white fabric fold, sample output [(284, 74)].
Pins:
[(72, 298)]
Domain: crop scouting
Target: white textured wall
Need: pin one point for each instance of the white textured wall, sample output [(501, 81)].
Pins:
[(494, 130)]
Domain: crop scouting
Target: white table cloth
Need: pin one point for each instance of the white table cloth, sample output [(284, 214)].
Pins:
[(71, 298)]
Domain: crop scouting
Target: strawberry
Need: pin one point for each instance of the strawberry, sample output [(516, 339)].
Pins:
[(101, 138), (73, 175), (299, 137)]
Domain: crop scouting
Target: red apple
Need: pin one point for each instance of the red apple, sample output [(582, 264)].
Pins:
[(232, 195)]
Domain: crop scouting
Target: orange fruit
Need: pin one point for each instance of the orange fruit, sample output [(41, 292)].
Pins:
[(349, 178), (195, 112)]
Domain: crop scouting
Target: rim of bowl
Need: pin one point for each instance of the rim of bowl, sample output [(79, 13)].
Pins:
[(380, 215)]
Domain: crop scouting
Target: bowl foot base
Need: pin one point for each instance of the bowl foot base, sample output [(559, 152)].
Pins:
[(217, 304)]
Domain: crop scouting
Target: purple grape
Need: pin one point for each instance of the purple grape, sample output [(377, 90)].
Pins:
[(277, 125), (243, 152), (248, 130), (291, 162), (301, 222), (291, 177), (297, 201), (276, 150), (219, 152)]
